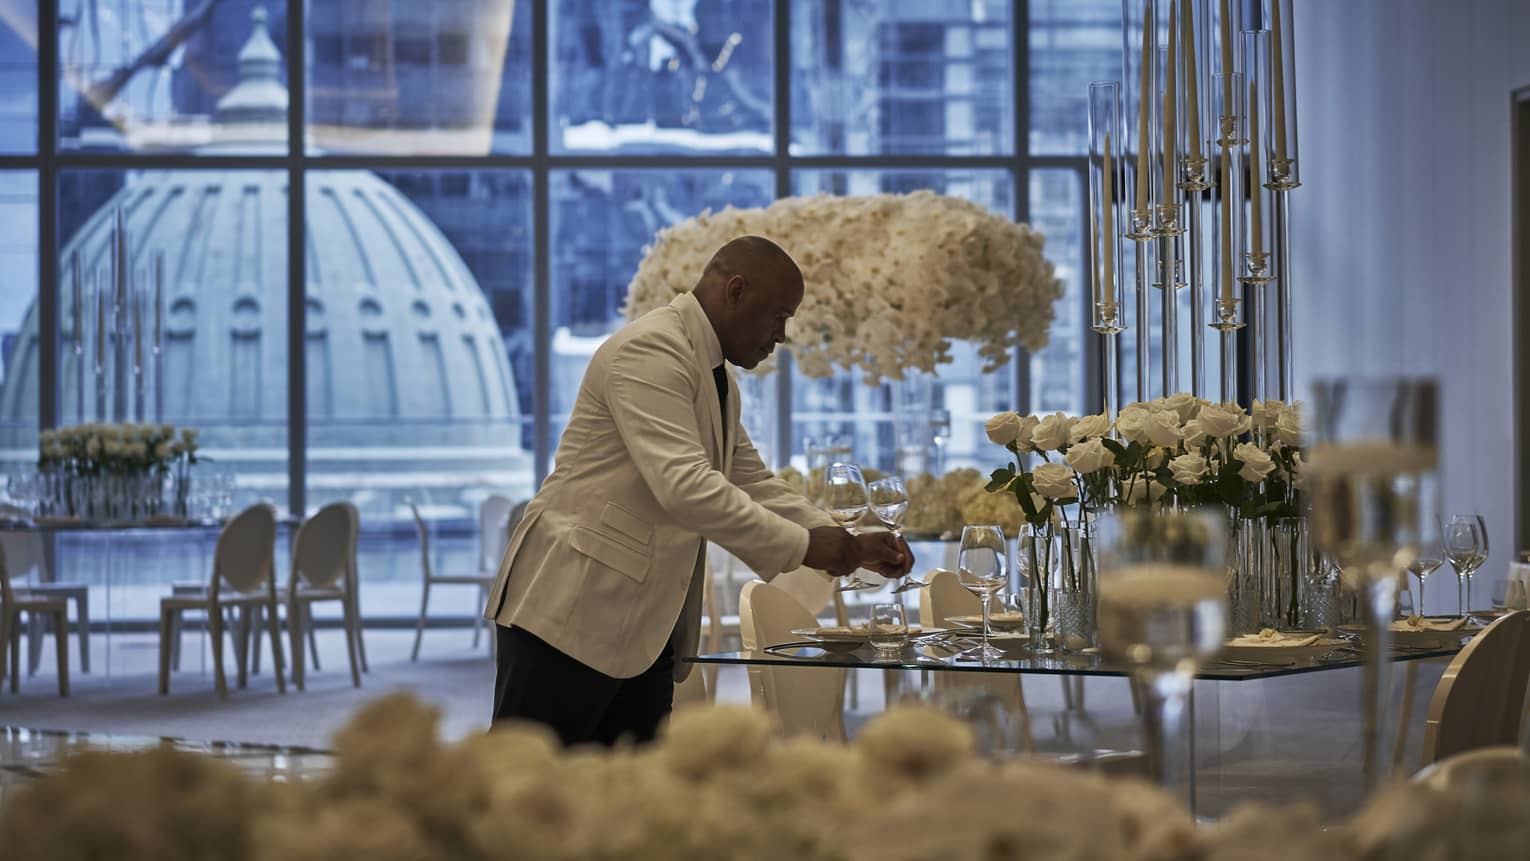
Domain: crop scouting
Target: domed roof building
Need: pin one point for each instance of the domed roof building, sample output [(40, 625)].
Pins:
[(409, 389)]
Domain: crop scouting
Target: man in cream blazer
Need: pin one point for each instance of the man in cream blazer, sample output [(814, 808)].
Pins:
[(600, 587)]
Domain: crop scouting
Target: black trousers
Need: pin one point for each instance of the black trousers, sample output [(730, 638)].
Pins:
[(536, 682)]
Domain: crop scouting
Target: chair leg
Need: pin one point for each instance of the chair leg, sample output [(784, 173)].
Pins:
[(82, 617), (361, 645), (419, 627), (5, 642), (295, 633), (351, 624), (175, 641), (15, 651), (242, 646), (61, 645), (36, 629), (169, 643), (273, 624), (313, 640), (257, 615), (215, 632), (483, 598)]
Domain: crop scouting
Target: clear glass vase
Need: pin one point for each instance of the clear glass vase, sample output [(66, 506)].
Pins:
[(1074, 597), (1036, 558), (1247, 573)]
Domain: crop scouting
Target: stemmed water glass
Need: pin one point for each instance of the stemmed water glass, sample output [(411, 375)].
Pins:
[(980, 568), (889, 502), (1371, 477), (1429, 557), (940, 435), (844, 496), (1162, 612), (1466, 546)]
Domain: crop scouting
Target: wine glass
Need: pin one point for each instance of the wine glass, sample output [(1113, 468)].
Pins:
[(980, 568), (1372, 473), (889, 502), (844, 496), (1429, 557), (1163, 612), (1466, 546)]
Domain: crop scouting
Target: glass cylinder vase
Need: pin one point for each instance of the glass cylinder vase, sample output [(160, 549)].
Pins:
[(1247, 572), (1074, 600), (1036, 561)]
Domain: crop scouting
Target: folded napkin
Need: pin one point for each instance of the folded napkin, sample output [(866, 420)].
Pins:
[(1419, 623), (1272, 637)]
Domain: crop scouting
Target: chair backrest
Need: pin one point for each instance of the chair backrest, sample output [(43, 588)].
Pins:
[(493, 530), (802, 700), (1480, 700), (1484, 765), (812, 589), (24, 548), (6, 595), (945, 597), (324, 547), (245, 556)]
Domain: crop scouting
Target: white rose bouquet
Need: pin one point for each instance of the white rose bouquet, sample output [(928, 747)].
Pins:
[(892, 279)]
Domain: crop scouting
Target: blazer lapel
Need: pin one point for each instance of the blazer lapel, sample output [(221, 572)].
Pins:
[(707, 393)]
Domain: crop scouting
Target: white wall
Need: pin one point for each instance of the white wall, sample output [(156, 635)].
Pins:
[(1401, 231)]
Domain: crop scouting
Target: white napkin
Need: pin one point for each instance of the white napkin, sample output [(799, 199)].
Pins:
[(1272, 637), (1419, 623)]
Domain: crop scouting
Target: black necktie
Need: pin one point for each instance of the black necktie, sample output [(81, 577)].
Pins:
[(721, 377)]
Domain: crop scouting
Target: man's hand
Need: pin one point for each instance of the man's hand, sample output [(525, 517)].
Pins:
[(833, 551), (885, 553)]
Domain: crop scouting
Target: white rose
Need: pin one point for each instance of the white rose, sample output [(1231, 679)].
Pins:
[(1298, 472), (47, 438), (1096, 425), (1256, 464), (93, 447), (1266, 413), (1143, 488), (1090, 456), (162, 451), (1163, 429), (1220, 422), (1288, 429), (1024, 435), (1131, 424), (1051, 433), (1155, 457), (1193, 434), (139, 449), (1188, 469), (1054, 480), (167, 430), (1003, 428), (1183, 403)]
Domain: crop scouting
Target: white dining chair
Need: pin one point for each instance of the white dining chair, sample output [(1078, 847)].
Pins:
[(483, 581), (494, 525), (1480, 701), (25, 550), (243, 576), (36, 608), (801, 700), (323, 560), (946, 597)]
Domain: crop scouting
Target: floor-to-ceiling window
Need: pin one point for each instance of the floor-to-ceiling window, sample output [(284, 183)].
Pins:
[(393, 232)]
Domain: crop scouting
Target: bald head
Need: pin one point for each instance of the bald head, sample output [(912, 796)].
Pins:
[(749, 289)]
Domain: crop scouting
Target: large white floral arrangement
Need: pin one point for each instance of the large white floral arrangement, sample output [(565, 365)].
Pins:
[(891, 279), (718, 786), (125, 447)]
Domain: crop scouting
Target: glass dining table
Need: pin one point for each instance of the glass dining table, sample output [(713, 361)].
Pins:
[(1302, 712), (113, 574)]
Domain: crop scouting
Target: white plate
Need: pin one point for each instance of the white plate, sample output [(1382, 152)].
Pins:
[(1277, 651), (853, 636), (1414, 638), (997, 621)]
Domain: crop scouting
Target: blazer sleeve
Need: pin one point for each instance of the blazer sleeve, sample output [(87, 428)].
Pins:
[(751, 475), (651, 389)]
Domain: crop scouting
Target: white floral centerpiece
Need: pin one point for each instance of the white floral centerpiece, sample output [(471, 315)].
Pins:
[(718, 784), (115, 471), (893, 279)]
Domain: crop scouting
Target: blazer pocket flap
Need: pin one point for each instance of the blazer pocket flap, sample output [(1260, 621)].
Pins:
[(609, 553), (627, 523)]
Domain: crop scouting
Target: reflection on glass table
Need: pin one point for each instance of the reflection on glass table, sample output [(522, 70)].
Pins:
[(936, 653)]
